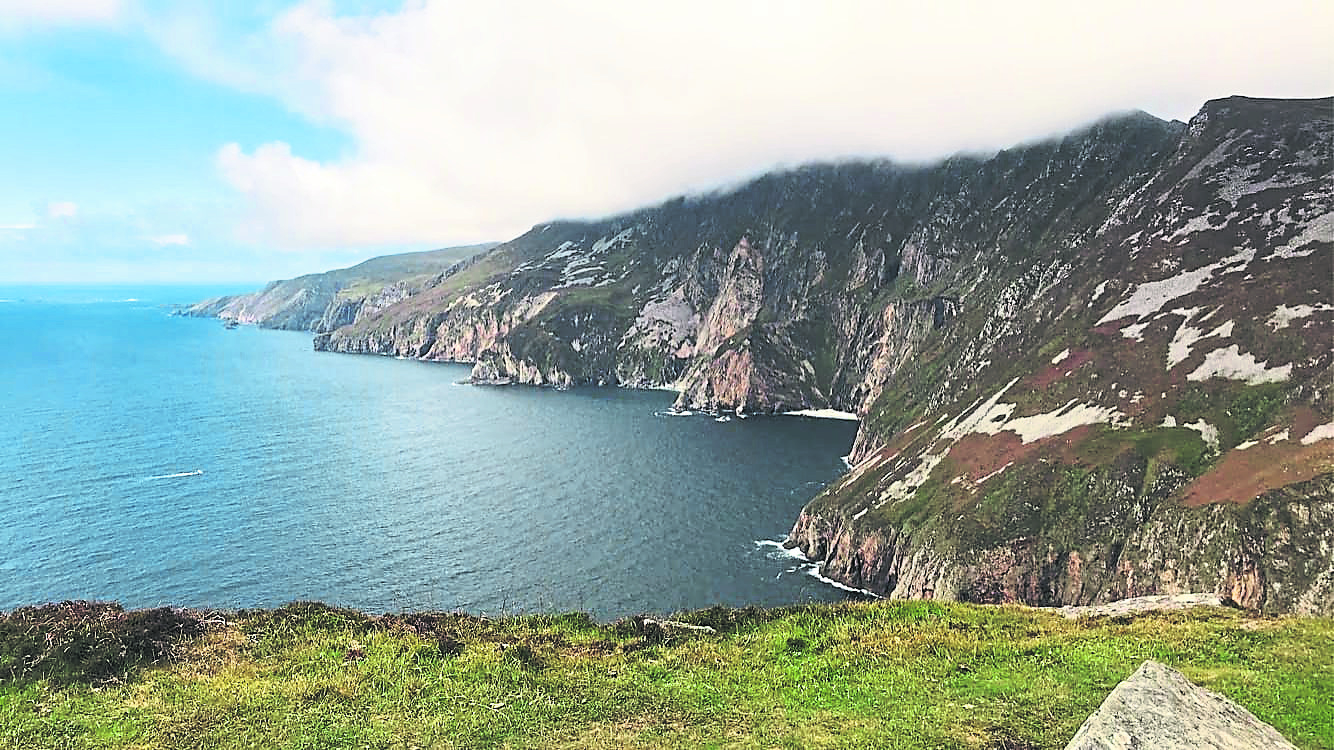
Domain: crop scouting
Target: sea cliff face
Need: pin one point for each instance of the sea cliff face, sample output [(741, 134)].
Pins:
[(322, 302), (1136, 414), (1092, 367)]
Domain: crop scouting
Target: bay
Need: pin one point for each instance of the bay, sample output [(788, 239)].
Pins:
[(154, 460)]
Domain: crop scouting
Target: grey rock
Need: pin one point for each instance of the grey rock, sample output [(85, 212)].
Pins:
[(1157, 707), (1138, 604)]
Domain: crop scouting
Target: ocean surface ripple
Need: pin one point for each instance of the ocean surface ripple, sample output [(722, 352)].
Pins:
[(156, 460)]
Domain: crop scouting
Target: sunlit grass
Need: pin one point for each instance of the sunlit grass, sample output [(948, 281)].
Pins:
[(906, 674)]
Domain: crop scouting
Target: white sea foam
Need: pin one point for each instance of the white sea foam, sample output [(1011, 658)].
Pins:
[(777, 544), (674, 413), (177, 475), (814, 572), (812, 569)]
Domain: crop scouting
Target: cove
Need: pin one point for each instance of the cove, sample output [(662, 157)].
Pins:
[(152, 459)]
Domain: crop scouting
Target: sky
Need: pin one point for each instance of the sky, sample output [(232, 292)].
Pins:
[(181, 140)]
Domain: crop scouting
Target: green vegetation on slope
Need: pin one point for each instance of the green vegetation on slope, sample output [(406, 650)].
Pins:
[(882, 674)]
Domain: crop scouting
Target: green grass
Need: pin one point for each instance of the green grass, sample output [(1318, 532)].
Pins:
[(883, 674)]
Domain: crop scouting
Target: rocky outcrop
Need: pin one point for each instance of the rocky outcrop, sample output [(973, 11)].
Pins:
[(1158, 707)]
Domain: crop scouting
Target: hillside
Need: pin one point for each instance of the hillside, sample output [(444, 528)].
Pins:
[(880, 674), (324, 301), (1087, 368)]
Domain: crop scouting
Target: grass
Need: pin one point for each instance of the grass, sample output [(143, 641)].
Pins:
[(879, 674)]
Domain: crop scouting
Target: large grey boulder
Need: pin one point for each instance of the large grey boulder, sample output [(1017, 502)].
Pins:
[(1158, 708)]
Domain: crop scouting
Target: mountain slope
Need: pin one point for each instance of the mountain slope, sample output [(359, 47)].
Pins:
[(324, 301), (1093, 367), (1143, 418)]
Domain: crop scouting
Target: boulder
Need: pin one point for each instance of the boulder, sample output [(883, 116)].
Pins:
[(1157, 707)]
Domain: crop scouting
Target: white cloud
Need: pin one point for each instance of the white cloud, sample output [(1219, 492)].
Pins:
[(62, 210), (54, 12), (476, 120), (164, 240)]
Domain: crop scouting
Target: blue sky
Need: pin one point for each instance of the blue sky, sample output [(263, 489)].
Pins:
[(197, 141)]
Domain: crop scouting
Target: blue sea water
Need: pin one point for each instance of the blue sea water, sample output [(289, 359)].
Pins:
[(153, 459)]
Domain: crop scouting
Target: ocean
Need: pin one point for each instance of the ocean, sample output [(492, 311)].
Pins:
[(159, 460)]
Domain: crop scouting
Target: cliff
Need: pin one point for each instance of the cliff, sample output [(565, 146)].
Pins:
[(325, 301), (1142, 406), (1087, 368)]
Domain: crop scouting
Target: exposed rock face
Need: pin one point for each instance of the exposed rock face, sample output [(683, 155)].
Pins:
[(1087, 369), (1157, 707), (1273, 553)]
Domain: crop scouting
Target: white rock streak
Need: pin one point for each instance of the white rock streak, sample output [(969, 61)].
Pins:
[(951, 433), (1207, 431), (995, 473), (1098, 292), (1135, 331), (1282, 316), (1150, 297), (1233, 364), (1319, 231), (1178, 350), (1322, 432), (1223, 331), (992, 417), (1062, 420)]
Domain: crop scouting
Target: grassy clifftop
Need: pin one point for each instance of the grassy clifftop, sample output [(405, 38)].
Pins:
[(881, 674)]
